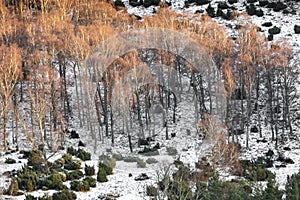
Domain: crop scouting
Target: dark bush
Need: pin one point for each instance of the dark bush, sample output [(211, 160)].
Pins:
[(80, 186), (172, 151), (217, 189), (149, 151), (92, 182), (273, 31), (151, 161), (89, 170), (210, 11), (69, 163), (81, 144), (223, 5), (45, 197), (271, 192), (261, 174), (232, 1), (251, 1), (279, 6), (148, 3), (270, 37), (108, 170), (263, 3), (83, 155), (72, 165), (267, 24), (297, 29), (35, 158), (251, 10), (10, 161), (151, 190), (74, 135), (64, 195), (259, 13), (197, 2), (220, 13), (292, 186), (227, 15), (77, 174), (13, 188), (130, 159), (135, 3), (28, 179), (142, 177), (101, 175), (54, 181), (72, 151), (117, 156), (141, 163), (119, 3)]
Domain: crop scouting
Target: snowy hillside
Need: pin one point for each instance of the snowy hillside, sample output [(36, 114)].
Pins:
[(171, 140)]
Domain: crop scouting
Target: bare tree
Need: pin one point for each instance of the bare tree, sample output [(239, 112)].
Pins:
[(10, 73)]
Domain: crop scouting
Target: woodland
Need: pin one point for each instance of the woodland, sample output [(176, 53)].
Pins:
[(46, 48)]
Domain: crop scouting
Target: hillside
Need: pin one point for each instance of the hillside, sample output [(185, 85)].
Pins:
[(150, 100)]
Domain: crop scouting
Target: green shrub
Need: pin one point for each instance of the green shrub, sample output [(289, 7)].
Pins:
[(261, 174), (64, 195), (69, 163), (83, 155), (271, 192), (130, 159), (232, 1), (117, 156), (111, 162), (270, 37), (141, 163), (77, 174), (119, 3), (108, 170), (152, 151), (30, 197), (151, 190), (210, 11), (35, 158), (72, 151), (273, 31), (13, 188), (45, 197), (73, 165), (292, 187), (172, 151), (28, 179), (55, 181), (89, 170), (80, 186), (151, 161), (101, 175), (267, 24), (297, 29), (217, 189), (148, 3), (90, 180), (10, 161)]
